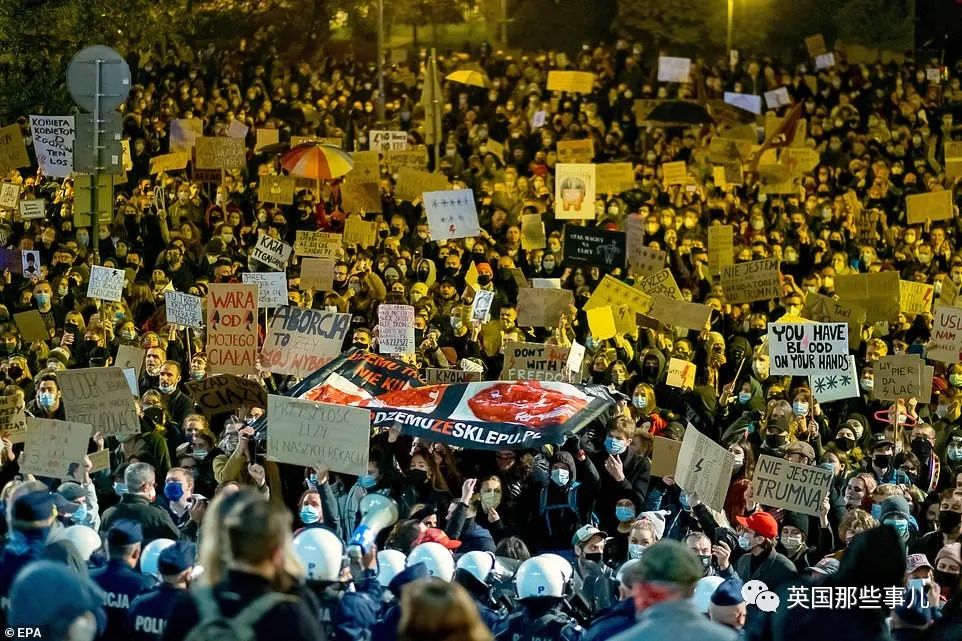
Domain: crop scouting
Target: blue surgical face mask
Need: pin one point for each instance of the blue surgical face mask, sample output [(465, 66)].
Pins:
[(367, 481), (636, 550), (166, 389), (200, 455), (120, 488), (745, 541), (42, 299), (80, 515), (615, 446), (173, 491), (641, 402), (799, 408), (46, 400), (623, 513), (744, 397), (901, 526), (560, 476), (310, 514)]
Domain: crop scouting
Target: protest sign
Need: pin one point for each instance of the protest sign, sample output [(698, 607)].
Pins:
[(933, 205), (915, 298), (383, 140), (675, 173), (721, 247), (751, 281), (681, 373), (411, 183), (317, 274), (54, 449), (300, 341), (9, 195), (395, 329), (276, 189), (225, 393), (30, 265), (827, 310), (99, 461), (219, 153), (574, 191), (232, 328), (99, 396), (949, 294), (673, 69), (13, 151), (801, 349), (33, 209), (184, 309), (307, 433), (13, 419), (945, 343), (815, 45), (481, 305), (542, 307), (272, 252), (11, 260), (601, 322), (31, 326), (318, 244), (614, 177), (898, 377), (360, 232), (367, 168), (415, 158), (166, 163), (594, 246), (704, 467), (642, 260), (952, 151), (777, 98), (53, 138), (661, 283), (266, 137), (534, 362), (439, 376), (532, 232), (131, 375), (876, 293), (792, 486), (184, 133), (237, 129), (824, 61), (679, 313), (664, 456), (576, 357), (451, 214), (361, 197), (800, 160), (271, 287), (746, 101), (576, 151), (106, 283), (613, 292), (571, 81), (131, 357), (835, 386)]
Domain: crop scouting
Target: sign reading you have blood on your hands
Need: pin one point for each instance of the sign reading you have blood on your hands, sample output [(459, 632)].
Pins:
[(801, 349)]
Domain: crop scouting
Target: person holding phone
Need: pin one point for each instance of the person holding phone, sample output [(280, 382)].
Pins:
[(186, 509)]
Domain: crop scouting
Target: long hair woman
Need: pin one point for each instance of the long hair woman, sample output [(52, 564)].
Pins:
[(439, 611)]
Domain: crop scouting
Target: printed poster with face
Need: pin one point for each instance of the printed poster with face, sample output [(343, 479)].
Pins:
[(574, 191)]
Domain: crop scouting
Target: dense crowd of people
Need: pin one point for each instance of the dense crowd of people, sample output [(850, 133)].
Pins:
[(191, 533)]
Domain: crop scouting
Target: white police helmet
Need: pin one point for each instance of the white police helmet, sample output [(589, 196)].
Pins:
[(85, 539), (481, 565), (705, 587), (541, 577), (436, 557), (563, 564), (151, 556), (321, 552), (390, 563)]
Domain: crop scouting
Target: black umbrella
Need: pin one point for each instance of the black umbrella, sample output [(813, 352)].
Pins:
[(679, 112), (275, 148)]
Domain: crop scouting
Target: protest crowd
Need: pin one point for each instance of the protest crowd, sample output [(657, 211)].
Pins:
[(654, 348)]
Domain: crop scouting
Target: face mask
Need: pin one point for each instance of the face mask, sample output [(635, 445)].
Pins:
[(173, 491), (739, 461), (615, 446), (490, 499), (954, 452), (844, 443), (901, 527), (636, 550), (367, 481), (200, 455), (955, 380), (623, 513), (418, 477), (119, 488), (14, 372), (761, 368), (456, 322), (548, 264), (641, 402), (949, 521), (560, 476), (799, 408), (922, 449), (867, 384), (196, 374), (46, 400), (775, 441), (80, 514), (745, 542), (42, 299), (310, 514), (792, 543), (166, 389), (744, 397), (882, 461), (128, 334)]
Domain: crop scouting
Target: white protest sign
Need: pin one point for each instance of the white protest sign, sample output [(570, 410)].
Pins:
[(33, 208), (546, 283), (746, 101), (302, 340), (777, 98), (824, 61), (272, 252), (704, 467), (835, 386), (53, 138), (184, 309), (9, 195), (808, 348), (576, 356), (54, 449), (382, 140), (106, 283), (396, 329), (99, 396), (673, 69), (481, 305), (307, 433), (451, 214), (945, 344), (271, 287), (792, 486)]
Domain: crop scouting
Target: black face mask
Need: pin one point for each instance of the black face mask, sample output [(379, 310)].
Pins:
[(483, 279), (360, 345), (945, 579), (418, 478), (384, 233), (14, 372), (845, 444), (949, 521), (922, 449), (882, 461), (597, 556), (775, 441)]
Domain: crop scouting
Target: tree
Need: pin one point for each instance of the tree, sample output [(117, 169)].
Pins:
[(880, 24), (681, 23)]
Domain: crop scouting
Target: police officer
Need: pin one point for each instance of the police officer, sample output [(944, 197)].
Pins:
[(118, 579), (148, 613), (541, 583), (475, 571)]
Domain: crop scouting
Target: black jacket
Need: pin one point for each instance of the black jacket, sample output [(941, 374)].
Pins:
[(154, 519), (637, 471)]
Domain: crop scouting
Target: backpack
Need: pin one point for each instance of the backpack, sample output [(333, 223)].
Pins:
[(214, 626)]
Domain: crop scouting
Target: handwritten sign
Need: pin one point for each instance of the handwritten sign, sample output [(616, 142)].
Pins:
[(232, 328), (300, 341), (318, 244), (898, 376), (184, 309), (382, 140), (481, 305), (815, 45), (704, 467), (661, 283), (439, 376), (13, 420), (219, 153), (614, 177), (106, 283), (748, 102), (681, 373), (361, 197), (835, 386), (601, 322), (543, 307), (594, 246), (266, 137), (53, 138), (934, 205), (13, 151), (225, 393), (276, 189), (54, 449), (31, 326), (130, 357), (411, 183), (571, 81), (532, 232), (721, 247), (673, 69), (915, 298), (166, 163), (307, 433), (272, 252), (825, 309), (271, 287), (792, 486), (751, 281), (574, 191), (317, 274), (396, 329), (876, 293), (451, 214), (99, 396), (367, 168), (945, 344), (534, 362), (9, 195), (33, 209), (808, 348), (613, 292), (777, 98), (576, 151)]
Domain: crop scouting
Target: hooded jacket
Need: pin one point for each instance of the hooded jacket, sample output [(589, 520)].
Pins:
[(560, 511)]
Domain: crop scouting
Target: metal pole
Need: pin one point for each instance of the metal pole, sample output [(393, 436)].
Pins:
[(93, 183), (504, 23), (728, 36), (435, 99), (380, 61)]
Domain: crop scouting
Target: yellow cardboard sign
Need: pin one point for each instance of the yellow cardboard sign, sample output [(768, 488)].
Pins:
[(675, 173), (601, 322), (915, 298), (681, 373), (570, 151), (612, 292), (571, 81), (934, 205)]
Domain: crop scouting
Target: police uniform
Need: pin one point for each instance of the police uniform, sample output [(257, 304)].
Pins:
[(31, 517), (120, 582), (545, 623), (149, 613)]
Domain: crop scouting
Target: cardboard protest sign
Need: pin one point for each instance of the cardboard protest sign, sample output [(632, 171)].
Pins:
[(664, 456), (949, 294), (232, 328), (361, 197), (99, 396), (876, 293), (681, 373), (574, 191), (815, 45), (571, 81), (722, 149), (915, 298), (613, 292), (835, 386), (439, 376), (945, 343), (704, 467), (534, 362), (383, 140), (481, 305), (411, 183), (131, 357), (827, 310), (360, 232), (317, 274), (751, 281), (933, 205), (679, 313), (367, 168), (106, 283), (9, 195), (601, 322), (272, 252), (166, 163), (661, 283), (532, 232), (898, 376), (642, 260), (415, 158), (594, 246), (300, 341), (952, 151), (99, 461), (576, 151), (276, 189), (53, 138), (801, 349), (307, 433), (225, 393), (219, 153), (673, 69), (33, 209), (54, 449), (266, 137), (451, 214), (184, 309), (675, 173), (271, 287), (31, 326), (318, 244), (13, 420), (542, 307), (792, 486), (184, 133), (721, 247), (395, 329), (237, 129), (824, 61), (13, 151), (614, 177), (777, 98), (576, 357)]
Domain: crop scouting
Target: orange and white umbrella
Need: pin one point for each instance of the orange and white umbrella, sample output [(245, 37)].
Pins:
[(317, 162)]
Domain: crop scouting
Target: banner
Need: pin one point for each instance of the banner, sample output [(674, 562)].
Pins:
[(317, 244), (99, 396), (704, 467), (355, 377), (225, 393), (451, 214), (945, 344), (574, 191), (53, 138), (54, 449), (272, 252), (534, 362), (898, 377), (493, 415), (232, 328), (302, 340), (184, 309), (106, 283), (751, 281), (802, 349), (538, 307), (832, 386), (271, 287), (312, 434), (792, 486), (593, 246), (396, 329)]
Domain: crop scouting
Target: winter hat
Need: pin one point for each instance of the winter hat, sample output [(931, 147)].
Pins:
[(657, 520), (951, 552), (669, 561), (894, 506)]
